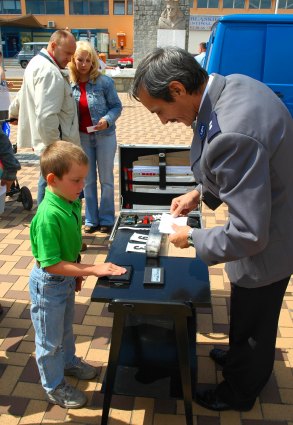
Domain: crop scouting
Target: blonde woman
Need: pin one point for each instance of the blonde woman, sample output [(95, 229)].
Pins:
[(98, 108)]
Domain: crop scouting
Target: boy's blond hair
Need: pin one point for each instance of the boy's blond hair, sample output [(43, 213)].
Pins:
[(58, 157), (84, 46)]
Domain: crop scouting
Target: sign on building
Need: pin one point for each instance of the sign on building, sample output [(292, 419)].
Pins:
[(202, 22)]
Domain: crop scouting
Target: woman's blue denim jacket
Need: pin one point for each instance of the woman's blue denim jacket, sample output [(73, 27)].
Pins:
[(103, 101)]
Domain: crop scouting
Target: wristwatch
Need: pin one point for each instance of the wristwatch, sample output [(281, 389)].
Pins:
[(189, 238)]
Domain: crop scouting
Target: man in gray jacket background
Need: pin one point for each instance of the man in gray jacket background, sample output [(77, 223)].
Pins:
[(241, 155), (44, 106)]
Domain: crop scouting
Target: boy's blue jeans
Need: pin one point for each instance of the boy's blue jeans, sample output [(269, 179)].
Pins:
[(52, 313), (100, 150)]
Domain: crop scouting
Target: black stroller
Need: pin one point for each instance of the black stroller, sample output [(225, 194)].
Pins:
[(23, 193)]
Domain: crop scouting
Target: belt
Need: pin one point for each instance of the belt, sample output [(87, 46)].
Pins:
[(38, 264)]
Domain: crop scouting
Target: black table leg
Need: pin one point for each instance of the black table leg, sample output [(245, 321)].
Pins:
[(117, 333), (184, 365), (180, 313)]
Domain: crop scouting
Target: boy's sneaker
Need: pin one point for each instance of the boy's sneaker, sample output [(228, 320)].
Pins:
[(81, 370), (67, 396)]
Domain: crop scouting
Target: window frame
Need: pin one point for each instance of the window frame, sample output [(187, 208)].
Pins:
[(207, 6), (15, 11), (285, 5), (129, 3), (119, 2), (86, 8), (44, 3), (259, 5), (233, 5)]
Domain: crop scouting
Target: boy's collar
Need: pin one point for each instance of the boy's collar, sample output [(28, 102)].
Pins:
[(67, 206)]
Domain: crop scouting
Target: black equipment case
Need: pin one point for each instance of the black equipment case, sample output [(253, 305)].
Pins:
[(148, 182)]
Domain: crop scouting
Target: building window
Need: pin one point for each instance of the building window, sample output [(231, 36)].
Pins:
[(285, 4), (260, 4), (119, 7), (99, 7), (123, 6), (207, 4), (129, 7), (233, 4), (10, 7), (191, 4), (45, 7), (89, 7)]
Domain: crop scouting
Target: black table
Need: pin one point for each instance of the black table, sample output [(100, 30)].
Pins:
[(154, 329)]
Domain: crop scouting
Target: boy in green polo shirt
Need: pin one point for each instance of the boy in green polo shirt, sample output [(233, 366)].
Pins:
[(56, 241)]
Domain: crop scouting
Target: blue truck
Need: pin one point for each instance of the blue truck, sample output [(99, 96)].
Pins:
[(256, 45)]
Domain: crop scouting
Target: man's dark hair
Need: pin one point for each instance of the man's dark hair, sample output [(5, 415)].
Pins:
[(203, 45), (163, 65)]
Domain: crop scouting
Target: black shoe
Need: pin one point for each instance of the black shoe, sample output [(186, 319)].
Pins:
[(106, 229), (211, 400), (219, 356), (91, 229)]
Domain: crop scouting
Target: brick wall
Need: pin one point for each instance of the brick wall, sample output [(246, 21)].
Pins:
[(123, 84)]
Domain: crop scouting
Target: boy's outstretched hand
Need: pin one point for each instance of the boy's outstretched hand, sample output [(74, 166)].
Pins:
[(109, 269)]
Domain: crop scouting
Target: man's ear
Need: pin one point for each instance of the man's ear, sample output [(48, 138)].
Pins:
[(176, 88), (51, 179), (53, 45)]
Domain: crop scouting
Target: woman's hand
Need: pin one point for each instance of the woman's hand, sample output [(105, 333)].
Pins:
[(102, 125)]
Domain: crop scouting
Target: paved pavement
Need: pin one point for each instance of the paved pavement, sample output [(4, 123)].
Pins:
[(22, 399)]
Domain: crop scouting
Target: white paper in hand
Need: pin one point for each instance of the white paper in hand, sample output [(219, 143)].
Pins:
[(167, 220)]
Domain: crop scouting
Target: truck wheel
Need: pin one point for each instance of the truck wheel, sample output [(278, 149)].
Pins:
[(23, 64)]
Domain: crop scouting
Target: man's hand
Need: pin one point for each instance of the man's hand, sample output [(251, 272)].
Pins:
[(183, 204), (13, 121), (8, 184), (179, 239)]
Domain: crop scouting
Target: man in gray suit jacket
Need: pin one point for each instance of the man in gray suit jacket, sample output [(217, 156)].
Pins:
[(241, 154)]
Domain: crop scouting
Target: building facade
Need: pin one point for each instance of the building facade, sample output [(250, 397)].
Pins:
[(108, 24)]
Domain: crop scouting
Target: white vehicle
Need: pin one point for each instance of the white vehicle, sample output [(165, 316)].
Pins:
[(29, 50)]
